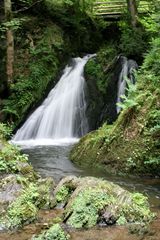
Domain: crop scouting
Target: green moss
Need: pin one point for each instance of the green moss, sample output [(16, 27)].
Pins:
[(11, 160), (5, 131), (24, 209), (54, 233), (85, 209), (136, 211), (63, 194), (94, 70), (98, 201)]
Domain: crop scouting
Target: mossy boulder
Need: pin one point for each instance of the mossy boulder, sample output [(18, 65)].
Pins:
[(94, 201), (31, 197), (9, 190), (102, 78), (55, 232)]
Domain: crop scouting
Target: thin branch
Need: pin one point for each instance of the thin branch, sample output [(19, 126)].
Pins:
[(26, 8)]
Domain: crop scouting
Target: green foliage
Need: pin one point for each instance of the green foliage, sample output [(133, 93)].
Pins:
[(94, 70), (85, 209), (53, 233), (133, 42), (35, 73), (78, 18), (14, 24), (121, 220), (129, 101), (5, 131), (63, 194), (10, 159), (152, 63), (137, 210), (107, 53), (95, 67), (152, 162), (24, 209)]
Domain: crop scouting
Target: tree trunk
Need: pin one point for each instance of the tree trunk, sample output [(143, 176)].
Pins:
[(132, 8), (10, 43)]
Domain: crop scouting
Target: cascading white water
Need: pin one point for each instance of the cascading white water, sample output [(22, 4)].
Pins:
[(127, 72), (122, 83), (62, 114)]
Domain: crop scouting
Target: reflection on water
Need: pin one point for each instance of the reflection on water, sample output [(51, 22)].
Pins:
[(53, 161)]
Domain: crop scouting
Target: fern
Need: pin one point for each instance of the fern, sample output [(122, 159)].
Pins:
[(129, 101)]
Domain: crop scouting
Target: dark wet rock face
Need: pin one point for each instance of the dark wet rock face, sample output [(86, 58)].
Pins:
[(102, 94)]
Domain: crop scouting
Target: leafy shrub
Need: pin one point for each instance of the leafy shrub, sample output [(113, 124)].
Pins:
[(53, 233), (133, 42), (129, 101), (10, 159), (5, 131), (24, 209)]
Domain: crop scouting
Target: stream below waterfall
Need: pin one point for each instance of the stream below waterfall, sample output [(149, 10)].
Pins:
[(53, 161)]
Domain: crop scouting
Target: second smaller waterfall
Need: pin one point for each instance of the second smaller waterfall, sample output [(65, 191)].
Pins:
[(127, 72)]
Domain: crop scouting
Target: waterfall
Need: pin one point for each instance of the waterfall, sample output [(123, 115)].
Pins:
[(127, 72), (62, 114)]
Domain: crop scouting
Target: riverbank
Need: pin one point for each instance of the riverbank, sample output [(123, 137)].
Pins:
[(41, 202), (131, 144)]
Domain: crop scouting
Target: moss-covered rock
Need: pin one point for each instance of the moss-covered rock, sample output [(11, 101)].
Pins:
[(31, 197), (22, 191), (102, 78), (95, 201), (64, 190), (131, 144), (9, 190), (54, 233)]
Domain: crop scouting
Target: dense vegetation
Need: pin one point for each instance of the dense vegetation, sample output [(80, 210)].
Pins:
[(41, 45), (46, 34), (131, 144)]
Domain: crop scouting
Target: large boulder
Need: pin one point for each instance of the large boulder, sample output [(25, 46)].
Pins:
[(9, 191), (22, 199), (89, 201)]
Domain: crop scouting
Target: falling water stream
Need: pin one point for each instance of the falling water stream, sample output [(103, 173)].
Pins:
[(50, 132), (61, 117)]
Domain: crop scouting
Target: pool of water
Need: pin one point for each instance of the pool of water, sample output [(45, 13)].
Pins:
[(54, 161)]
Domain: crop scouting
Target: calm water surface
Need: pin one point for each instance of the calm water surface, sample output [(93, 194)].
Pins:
[(53, 161)]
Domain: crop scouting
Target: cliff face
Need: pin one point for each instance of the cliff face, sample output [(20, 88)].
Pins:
[(105, 84)]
